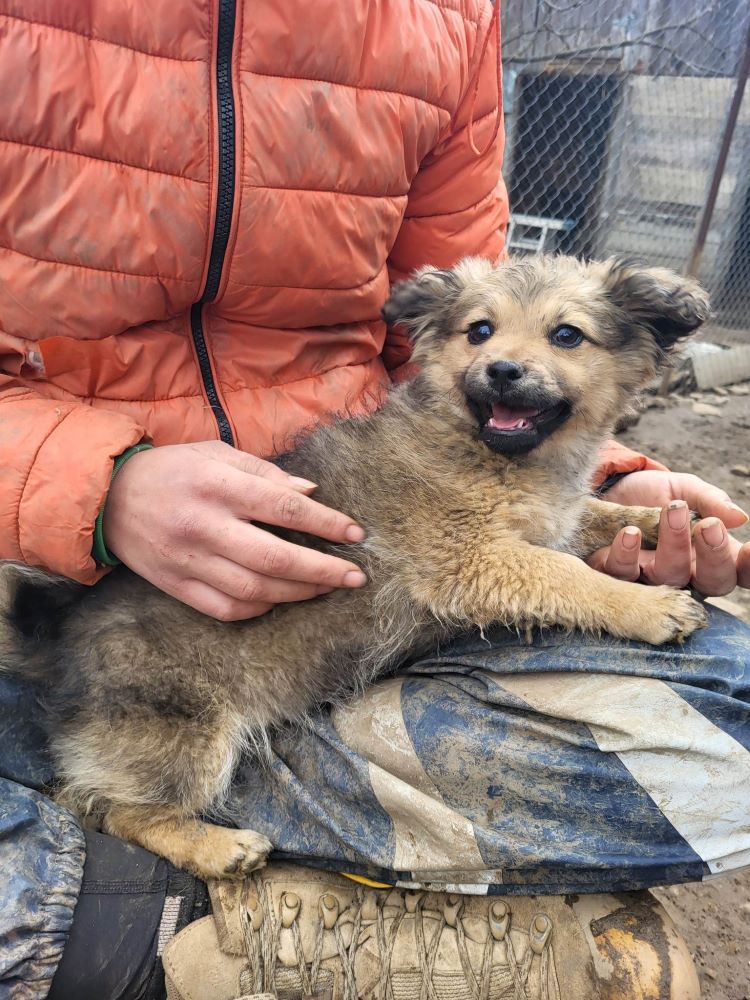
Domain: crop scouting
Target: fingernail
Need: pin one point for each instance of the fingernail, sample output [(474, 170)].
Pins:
[(354, 533), (713, 532), (631, 538), (355, 578), (302, 484), (677, 515), (734, 506)]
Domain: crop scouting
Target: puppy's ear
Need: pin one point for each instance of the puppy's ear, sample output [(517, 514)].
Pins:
[(421, 302), (667, 305)]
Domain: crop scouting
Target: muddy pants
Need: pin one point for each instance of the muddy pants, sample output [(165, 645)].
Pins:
[(567, 765)]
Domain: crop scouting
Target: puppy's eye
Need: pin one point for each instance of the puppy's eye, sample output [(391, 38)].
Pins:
[(480, 331), (566, 336)]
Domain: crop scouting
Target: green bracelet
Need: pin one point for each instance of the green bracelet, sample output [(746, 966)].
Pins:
[(99, 551)]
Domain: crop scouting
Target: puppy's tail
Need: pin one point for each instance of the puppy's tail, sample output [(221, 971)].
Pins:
[(33, 606)]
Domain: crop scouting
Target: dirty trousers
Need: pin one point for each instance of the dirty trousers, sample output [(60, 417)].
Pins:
[(493, 766)]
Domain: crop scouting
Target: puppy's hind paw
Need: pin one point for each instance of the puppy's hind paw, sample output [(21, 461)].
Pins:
[(670, 616)]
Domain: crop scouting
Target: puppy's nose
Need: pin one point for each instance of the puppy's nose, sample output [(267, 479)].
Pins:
[(502, 373)]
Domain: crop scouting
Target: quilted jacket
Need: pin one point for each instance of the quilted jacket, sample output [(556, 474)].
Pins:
[(202, 206)]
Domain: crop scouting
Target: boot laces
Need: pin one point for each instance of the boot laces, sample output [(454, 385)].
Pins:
[(262, 925)]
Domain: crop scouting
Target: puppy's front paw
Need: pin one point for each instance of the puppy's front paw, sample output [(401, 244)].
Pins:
[(647, 519), (665, 615), (228, 853), (249, 853)]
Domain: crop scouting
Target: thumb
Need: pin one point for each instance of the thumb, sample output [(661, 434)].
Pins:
[(710, 501)]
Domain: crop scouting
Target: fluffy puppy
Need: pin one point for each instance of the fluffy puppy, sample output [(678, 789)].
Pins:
[(473, 482)]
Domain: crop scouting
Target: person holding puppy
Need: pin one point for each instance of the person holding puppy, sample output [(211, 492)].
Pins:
[(204, 210)]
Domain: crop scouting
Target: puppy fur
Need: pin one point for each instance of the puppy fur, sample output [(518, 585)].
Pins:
[(149, 704)]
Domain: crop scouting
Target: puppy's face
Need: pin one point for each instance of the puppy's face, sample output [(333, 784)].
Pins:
[(544, 347)]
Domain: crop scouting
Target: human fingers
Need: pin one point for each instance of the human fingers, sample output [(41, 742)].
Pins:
[(743, 565), (673, 558), (252, 465), (715, 558), (258, 499), (216, 604), (249, 587), (264, 553), (621, 558)]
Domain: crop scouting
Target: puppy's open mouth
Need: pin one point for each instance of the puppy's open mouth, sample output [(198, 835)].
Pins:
[(512, 429)]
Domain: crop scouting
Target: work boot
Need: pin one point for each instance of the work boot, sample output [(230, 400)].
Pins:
[(295, 934)]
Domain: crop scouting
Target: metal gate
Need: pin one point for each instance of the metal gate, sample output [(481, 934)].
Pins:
[(628, 132)]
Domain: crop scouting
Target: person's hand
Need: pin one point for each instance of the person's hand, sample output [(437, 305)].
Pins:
[(180, 516), (712, 561)]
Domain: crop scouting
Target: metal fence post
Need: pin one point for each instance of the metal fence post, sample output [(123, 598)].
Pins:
[(694, 261)]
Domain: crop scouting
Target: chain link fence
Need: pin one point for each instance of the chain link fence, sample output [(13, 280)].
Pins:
[(615, 112)]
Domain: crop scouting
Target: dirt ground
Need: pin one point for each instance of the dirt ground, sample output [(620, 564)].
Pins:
[(714, 917)]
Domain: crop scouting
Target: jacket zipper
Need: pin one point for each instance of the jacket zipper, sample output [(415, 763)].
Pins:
[(224, 205)]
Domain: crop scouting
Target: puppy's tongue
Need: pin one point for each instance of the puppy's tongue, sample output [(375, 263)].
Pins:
[(505, 419)]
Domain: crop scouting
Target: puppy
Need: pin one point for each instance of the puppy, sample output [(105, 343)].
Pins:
[(473, 482)]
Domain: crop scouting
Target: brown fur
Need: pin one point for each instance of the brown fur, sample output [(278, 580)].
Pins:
[(150, 703)]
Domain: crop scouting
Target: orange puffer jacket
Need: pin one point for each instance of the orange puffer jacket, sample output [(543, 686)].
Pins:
[(201, 208)]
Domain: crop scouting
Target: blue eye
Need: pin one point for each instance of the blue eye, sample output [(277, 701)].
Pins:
[(480, 331), (566, 336)]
